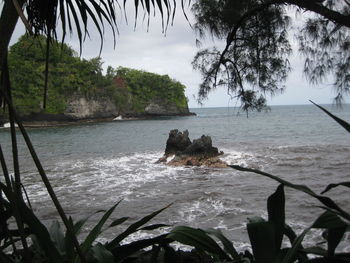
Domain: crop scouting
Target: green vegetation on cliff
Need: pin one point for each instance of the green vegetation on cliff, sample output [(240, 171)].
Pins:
[(68, 75), (71, 77), (135, 89)]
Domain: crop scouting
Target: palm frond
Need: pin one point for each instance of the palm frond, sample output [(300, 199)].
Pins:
[(77, 16)]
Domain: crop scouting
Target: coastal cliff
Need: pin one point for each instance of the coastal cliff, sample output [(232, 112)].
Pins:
[(78, 89)]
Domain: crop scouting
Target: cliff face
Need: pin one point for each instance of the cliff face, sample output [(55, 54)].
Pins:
[(83, 108), (161, 108)]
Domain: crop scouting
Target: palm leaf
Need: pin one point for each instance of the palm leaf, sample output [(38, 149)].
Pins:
[(276, 212), (296, 246), (343, 123), (262, 238), (331, 186), (37, 228), (228, 246), (198, 239), (95, 232), (124, 251), (101, 254), (133, 228)]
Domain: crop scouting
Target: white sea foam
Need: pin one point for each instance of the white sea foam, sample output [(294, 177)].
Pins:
[(8, 125), (237, 158), (127, 173)]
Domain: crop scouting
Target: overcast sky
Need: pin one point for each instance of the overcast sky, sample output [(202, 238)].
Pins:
[(172, 54)]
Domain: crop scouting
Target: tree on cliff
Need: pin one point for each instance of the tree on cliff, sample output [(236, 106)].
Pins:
[(69, 75), (254, 61)]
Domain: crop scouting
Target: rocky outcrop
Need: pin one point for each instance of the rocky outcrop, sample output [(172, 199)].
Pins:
[(77, 109), (177, 142), (180, 151), (155, 108), (82, 108), (202, 146), (159, 108)]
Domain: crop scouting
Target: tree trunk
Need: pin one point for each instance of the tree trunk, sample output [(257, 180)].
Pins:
[(8, 21)]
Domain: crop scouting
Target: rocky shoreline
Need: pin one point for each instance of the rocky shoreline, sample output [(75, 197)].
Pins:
[(53, 120)]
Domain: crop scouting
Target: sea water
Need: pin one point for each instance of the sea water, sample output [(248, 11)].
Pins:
[(93, 166)]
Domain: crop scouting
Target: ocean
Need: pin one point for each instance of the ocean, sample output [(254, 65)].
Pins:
[(93, 166)]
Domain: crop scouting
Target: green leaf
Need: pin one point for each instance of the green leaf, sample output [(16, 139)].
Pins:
[(262, 239), (198, 239), (124, 251), (331, 186), (95, 232), (70, 253), (343, 123), (57, 237), (326, 220), (329, 220), (170, 254), (276, 212), (76, 228), (335, 235), (40, 231), (289, 232), (6, 259), (292, 252), (133, 228), (101, 254), (228, 246), (118, 221)]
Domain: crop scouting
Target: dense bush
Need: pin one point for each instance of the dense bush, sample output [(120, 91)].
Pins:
[(139, 88)]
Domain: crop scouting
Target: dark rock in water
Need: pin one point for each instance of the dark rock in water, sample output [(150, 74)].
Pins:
[(198, 153), (177, 142), (202, 146)]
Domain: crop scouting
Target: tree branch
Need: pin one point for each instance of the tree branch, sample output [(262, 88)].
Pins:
[(244, 17), (22, 16), (320, 9), (310, 5)]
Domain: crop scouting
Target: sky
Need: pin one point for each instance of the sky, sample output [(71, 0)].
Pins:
[(172, 54)]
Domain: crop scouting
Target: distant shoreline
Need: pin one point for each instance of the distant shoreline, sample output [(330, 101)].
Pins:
[(52, 122)]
